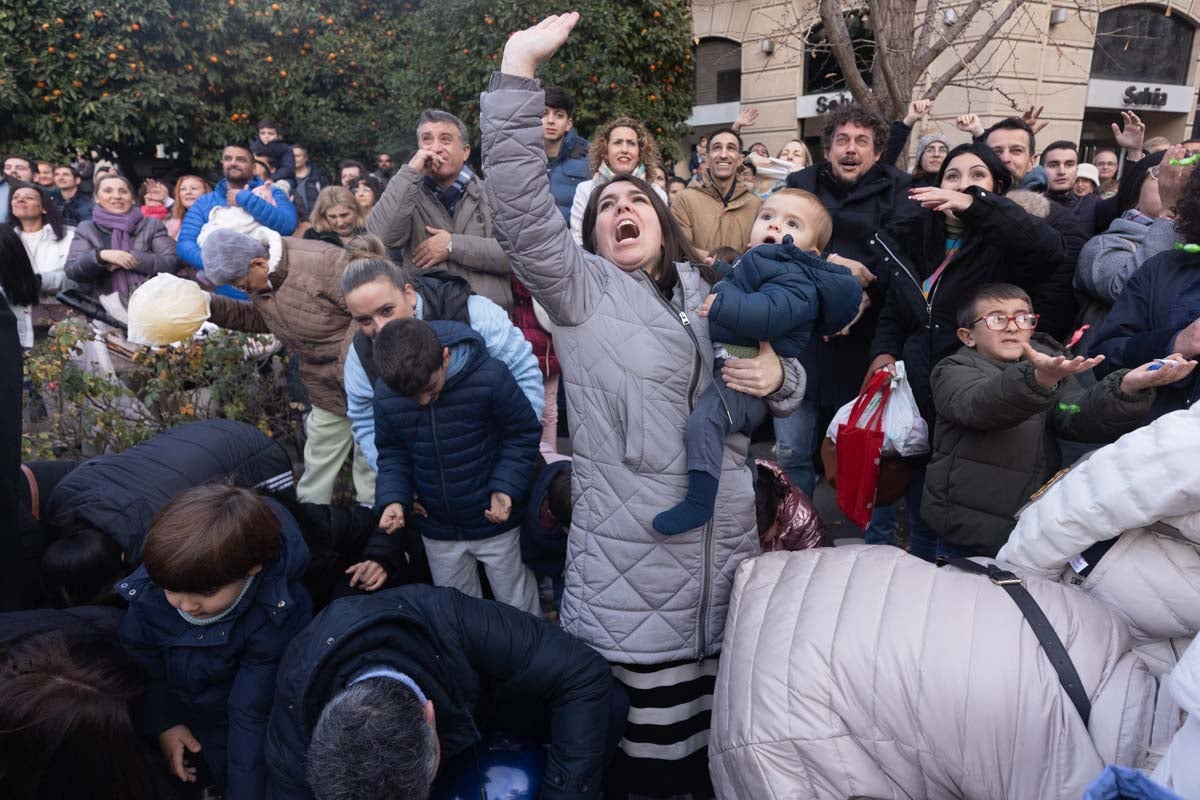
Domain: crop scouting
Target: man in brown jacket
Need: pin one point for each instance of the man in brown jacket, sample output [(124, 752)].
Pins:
[(719, 212), (299, 300), (434, 211)]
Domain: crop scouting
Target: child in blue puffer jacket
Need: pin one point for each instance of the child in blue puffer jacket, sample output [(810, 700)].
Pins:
[(215, 602), (779, 292), (455, 433)]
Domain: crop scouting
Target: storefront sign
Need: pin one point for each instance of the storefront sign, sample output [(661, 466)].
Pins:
[(1137, 96), (814, 105)]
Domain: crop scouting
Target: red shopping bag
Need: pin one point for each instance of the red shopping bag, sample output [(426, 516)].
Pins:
[(858, 452)]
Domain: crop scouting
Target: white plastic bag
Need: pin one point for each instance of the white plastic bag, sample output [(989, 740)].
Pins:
[(905, 433), (166, 309)]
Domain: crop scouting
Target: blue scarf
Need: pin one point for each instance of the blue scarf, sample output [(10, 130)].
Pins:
[(452, 194)]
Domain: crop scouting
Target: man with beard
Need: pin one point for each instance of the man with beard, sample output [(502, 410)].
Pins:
[(238, 189), (719, 211), (862, 195), (17, 169)]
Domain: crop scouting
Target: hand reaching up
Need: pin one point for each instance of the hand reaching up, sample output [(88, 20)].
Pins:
[(528, 49), (1049, 370)]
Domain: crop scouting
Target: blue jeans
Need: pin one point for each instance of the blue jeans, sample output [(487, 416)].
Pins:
[(795, 444), (922, 542)]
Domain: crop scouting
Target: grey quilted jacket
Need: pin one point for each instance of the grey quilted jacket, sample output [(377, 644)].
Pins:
[(633, 365)]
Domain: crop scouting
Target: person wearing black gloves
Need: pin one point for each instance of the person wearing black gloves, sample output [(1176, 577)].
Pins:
[(380, 690)]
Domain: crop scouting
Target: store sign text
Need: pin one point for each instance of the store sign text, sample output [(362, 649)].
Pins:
[(1155, 98)]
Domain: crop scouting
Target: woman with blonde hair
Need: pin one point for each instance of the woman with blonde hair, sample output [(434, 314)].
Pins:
[(187, 190), (773, 172), (336, 217), (621, 147)]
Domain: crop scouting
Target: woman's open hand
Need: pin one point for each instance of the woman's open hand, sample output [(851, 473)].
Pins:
[(758, 376), (938, 199), (528, 49)]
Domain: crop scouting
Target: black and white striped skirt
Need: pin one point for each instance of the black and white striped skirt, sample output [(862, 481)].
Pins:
[(664, 751)]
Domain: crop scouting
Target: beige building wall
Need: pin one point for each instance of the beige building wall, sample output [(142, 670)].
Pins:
[(1031, 61)]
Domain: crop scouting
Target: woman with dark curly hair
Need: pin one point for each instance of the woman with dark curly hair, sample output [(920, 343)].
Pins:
[(622, 147), (1158, 313)]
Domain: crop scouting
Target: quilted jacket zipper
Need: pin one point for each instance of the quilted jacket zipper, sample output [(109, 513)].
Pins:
[(705, 588), (437, 454)]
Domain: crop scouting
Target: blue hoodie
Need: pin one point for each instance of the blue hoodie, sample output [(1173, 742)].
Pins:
[(219, 679), (478, 437)]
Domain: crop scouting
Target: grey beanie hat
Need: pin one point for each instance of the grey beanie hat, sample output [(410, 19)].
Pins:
[(927, 140), (227, 255)]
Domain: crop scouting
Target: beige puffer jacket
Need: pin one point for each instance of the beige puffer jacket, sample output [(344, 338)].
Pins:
[(1151, 576), (863, 671)]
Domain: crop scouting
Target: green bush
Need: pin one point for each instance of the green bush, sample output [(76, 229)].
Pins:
[(77, 413)]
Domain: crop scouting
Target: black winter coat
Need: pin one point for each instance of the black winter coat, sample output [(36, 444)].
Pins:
[(120, 494), (464, 653), (1002, 244), (100, 621), (1054, 297), (835, 368), (1160, 300), (18, 536)]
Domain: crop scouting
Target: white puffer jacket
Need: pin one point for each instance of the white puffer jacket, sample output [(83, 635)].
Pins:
[(1179, 769), (1151, 577), (863, 671)]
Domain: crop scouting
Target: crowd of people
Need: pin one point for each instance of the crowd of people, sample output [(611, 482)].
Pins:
[(188, 596)]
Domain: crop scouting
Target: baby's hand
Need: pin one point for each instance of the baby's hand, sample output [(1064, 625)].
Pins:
[(708, 301), (393, 518)]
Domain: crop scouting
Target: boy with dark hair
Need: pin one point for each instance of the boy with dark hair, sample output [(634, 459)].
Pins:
[(566, 150), (455, 433), (547, 522), (1001, 402), (211, 609), (269, 144)]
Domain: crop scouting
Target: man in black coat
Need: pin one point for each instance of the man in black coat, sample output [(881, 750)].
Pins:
[(862, 195), (379, 689)]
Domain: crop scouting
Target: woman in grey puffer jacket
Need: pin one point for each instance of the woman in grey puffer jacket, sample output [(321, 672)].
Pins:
[(634, 353)]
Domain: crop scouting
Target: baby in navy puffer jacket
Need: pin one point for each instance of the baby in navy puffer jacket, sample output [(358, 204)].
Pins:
[(779, 292)]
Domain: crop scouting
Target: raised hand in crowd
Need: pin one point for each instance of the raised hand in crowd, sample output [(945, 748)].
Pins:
[(858, 269), (500, 509), (969, 123), (175, 743), (118, 259), (434, 250), (1130, 135), (745, 118), (938, 199), (1172, 180), (1160, 372), (916, 110), (1050, 370), (1033, 118), (369, 575), (527, 50), (393, 518)]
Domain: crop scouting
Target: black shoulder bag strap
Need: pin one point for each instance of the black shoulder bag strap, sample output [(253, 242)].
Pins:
[(1052, 646)]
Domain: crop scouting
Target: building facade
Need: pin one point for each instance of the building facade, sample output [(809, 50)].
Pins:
[(1084, 64)]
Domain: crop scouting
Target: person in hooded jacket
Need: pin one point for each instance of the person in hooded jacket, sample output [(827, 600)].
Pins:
[(429, 670), (215, 602)]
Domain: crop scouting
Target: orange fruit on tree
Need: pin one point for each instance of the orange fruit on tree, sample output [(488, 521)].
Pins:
[(98, 14), (112, 56)]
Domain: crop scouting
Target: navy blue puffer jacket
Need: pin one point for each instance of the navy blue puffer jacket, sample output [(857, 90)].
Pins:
[(219, 679), (479, 436), (777, 293)]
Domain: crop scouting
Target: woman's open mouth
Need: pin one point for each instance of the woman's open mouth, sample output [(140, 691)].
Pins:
[(627, 229)]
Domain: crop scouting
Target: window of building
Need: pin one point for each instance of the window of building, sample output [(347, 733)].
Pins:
[(1132, 44), (718, 72), (821, 70)]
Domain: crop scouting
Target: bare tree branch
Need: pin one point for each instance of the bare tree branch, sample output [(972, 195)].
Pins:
[(838, 36), (931, 9), (977, 48), (949, 36), (884, 55)]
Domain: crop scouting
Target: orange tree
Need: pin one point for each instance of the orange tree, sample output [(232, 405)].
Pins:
[(343, 76)]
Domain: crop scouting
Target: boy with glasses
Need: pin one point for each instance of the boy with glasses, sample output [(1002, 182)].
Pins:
[(1001, 401)]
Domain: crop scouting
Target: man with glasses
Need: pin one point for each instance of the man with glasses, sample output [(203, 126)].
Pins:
[(1002, 402)]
